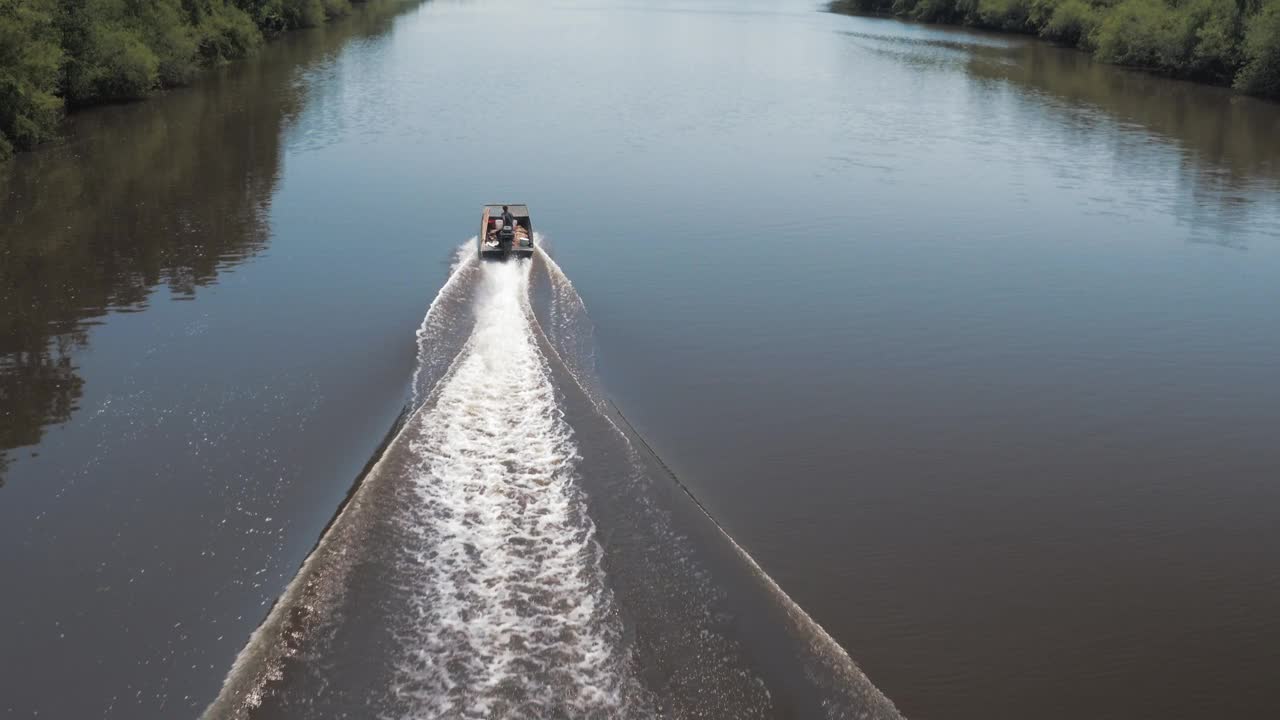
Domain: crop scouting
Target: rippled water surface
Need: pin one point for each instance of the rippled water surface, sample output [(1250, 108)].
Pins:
[(968, 343)]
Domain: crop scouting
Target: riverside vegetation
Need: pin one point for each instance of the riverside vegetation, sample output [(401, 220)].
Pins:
[(1225, 42), (59, 54)]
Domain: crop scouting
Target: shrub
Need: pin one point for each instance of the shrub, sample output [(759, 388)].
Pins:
[(78, 52), (336, 8), (274, 16), (1261, 72), (30, 66), (164, 29), (227, 33), (1008, 15), (1214, 29), (109, 57), (268, 15), (1070, 23), (932, 10), (303, 13), (1141, 33), (1214, 40), (124, 67)]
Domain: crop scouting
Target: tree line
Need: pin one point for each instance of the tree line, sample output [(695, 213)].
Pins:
[(59, 54), (1226, 42), (76, 244)]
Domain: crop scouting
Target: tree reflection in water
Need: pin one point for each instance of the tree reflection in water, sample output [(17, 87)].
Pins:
[(168, 192)]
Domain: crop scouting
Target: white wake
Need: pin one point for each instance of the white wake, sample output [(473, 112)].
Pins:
[(463, 579), (511, 616)]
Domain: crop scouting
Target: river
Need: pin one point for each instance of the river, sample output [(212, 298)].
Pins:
[(967, 343)]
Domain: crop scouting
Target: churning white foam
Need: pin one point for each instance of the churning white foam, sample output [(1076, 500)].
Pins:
[(511, 616)]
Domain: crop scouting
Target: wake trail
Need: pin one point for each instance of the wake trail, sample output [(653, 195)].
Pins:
[(465, 577), (442, 318), (511, 614)]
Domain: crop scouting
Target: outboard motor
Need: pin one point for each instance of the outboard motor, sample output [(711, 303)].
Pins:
[(506, 236)]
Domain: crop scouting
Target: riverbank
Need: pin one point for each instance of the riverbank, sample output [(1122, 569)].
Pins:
[(971, 337), (54, 59), (1221, 42)]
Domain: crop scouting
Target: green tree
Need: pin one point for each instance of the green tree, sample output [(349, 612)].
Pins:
[(110, 56), (1261, 72), (1009, 15), (30, 62), (223, 31), (1220, 41), (1071, 23), (275, 16), (266, 14), (1214, 30), (70, 53), (1141, 33)]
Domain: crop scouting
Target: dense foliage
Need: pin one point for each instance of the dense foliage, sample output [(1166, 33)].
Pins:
[(1233, 42), (60, 53)]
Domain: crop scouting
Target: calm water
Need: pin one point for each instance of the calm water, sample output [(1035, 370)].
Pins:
[(970, 342)]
